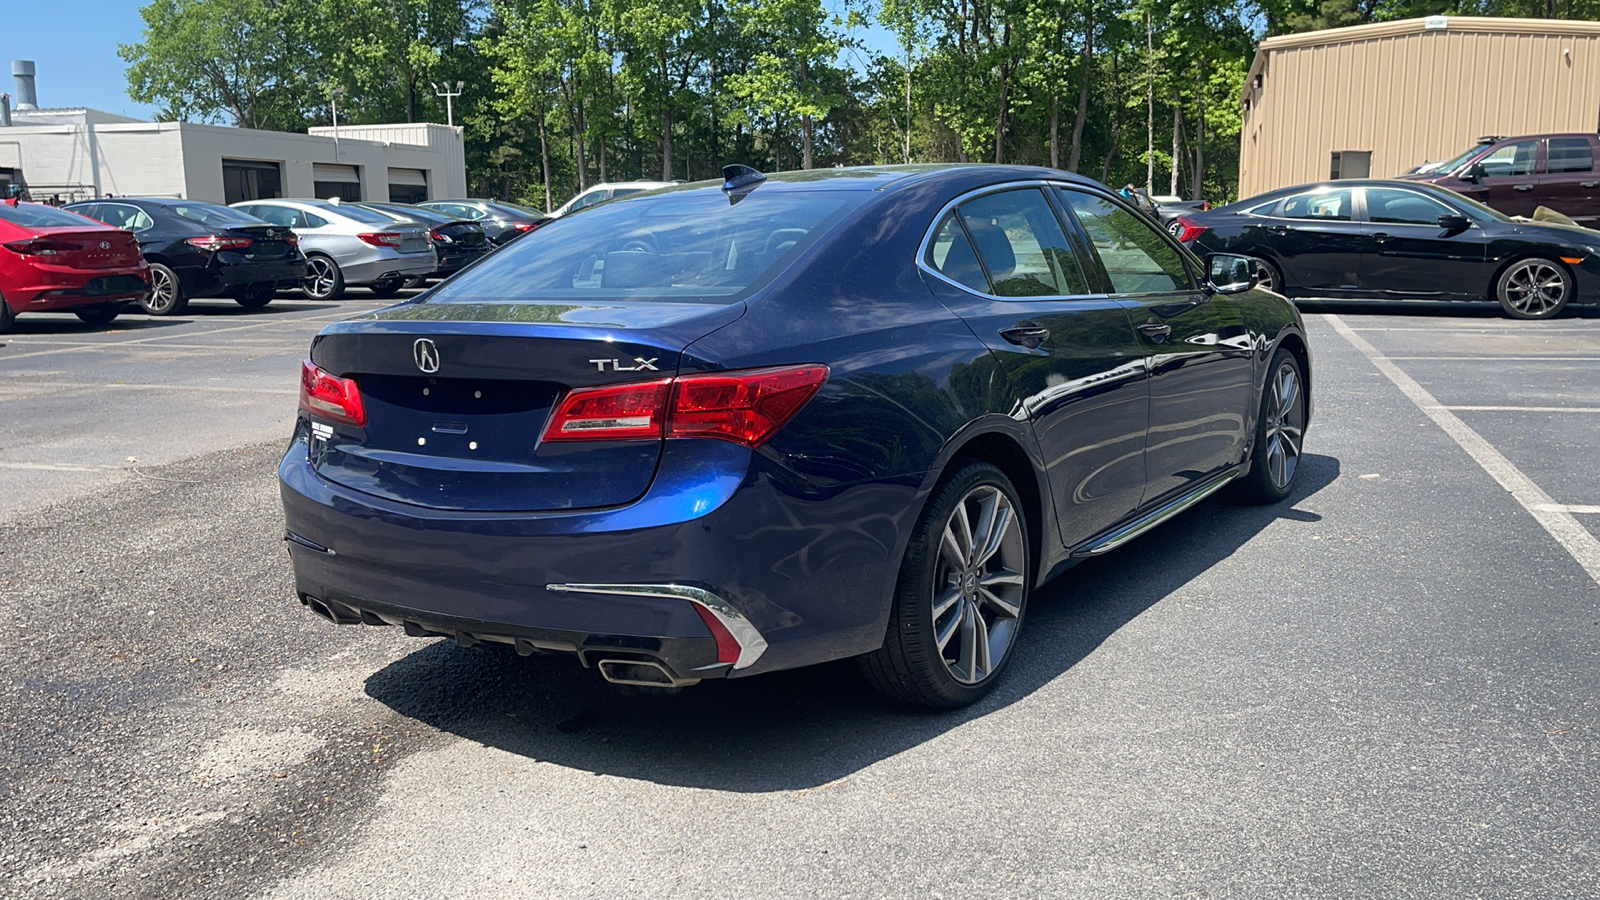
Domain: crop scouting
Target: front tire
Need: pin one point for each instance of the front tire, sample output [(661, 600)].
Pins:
[(1280, 433), (99, 316), (7, 317), (961, 595), (323, 281), (1534, 288), (165, 297)]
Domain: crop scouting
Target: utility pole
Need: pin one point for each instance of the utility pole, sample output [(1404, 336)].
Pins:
[(333, 103), (449, 98)]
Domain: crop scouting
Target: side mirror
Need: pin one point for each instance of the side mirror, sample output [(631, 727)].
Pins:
[(1229, 274), (1453, 224), (1473, 173)]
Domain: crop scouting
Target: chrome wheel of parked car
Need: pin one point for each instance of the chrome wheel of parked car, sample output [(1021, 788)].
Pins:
[(1280, 432), (324, 281), (962, 592), (1534, 289), (166, 292), (1266, 275)]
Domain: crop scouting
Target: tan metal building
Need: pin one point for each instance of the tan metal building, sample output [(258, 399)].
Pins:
[(1376, 100)]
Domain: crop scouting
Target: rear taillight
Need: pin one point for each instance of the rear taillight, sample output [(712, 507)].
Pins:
[(746, 407), (292, 239), (438, 235), (621, 412), (1188, 229), (329, 396), (526, 226), (215, 242), (42, 247), (381, 238)]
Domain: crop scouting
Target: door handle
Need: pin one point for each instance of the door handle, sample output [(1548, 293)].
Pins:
[(1522, 187), (1026, 334), (1590, 184), (1155, 331), (1277, 229), (1381, 237)]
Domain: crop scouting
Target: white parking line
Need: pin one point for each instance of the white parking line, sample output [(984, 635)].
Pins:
[(1579, 509), (173, 337), (22, 384), (1593, 359), (1549, 409), (56, 467), (1567, 531)]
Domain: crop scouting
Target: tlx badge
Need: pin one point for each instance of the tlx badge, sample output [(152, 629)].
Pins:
[(615, 365)]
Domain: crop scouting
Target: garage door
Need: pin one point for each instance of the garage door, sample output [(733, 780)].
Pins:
[(340, 181), (408, 185)]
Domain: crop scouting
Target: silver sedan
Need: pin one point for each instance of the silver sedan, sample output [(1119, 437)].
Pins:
[(347, 245)]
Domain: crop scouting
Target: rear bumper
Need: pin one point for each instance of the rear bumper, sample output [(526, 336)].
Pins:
[(229, 272), (69, 289), (452, 261), (389, 266), (808, 575)]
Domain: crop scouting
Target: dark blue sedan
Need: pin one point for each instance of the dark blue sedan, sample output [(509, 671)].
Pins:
[(734, 427)]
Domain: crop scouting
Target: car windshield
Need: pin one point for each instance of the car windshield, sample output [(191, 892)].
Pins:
[(1450, 165), (37, 215), (515, 211), (214, 215), (1473, 207), (684, 245), (414, 214)]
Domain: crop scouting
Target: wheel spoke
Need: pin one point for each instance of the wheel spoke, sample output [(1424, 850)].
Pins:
[(950, 548), (946, 600), (1000, 603), (981, 661), (942, 635), (998, 529), (1004, 577), (968, 663), (963, 531), (1276, 460), (1290, 394)]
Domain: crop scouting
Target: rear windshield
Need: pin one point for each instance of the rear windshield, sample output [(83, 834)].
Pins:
[(413, 213), (358, 214), (687, 245), (212, 214), (37, 215)]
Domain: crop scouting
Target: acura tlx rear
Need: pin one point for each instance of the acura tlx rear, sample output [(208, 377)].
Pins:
[(531, 455)]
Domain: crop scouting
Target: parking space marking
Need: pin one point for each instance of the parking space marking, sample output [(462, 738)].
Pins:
[(1568, 532), (173, 337), (1492, 358), (1576, 508), (1547, 409), (56, 467), (23, 383)]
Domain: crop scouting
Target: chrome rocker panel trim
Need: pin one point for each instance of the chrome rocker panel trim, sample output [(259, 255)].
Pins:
[(751, 643), (1153, 518)]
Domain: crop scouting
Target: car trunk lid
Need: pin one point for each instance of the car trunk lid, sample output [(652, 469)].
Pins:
[(88, 248), (467, 434)]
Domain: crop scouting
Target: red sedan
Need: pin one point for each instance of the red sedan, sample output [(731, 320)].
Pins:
[(54, 260)]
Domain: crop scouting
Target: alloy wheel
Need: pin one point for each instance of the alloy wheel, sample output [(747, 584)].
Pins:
[(320, 283), (1264, 277), (1286, 424), (163, 291), (978, 584), (1534, 288)]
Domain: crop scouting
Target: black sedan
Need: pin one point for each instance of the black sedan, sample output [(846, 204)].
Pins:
[(456, 242), (1389, 240), (203, 250), (502, 222)]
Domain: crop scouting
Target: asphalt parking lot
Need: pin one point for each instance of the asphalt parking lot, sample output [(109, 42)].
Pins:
[(1387, 687)]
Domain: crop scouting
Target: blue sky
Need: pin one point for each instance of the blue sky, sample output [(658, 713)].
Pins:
[(74, 43)]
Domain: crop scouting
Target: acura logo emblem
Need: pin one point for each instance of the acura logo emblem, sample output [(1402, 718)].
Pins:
[(426, 355)]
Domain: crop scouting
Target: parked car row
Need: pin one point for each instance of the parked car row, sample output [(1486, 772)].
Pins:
[(53, 260)]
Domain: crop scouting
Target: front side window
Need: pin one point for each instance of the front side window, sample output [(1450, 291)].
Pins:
[(1136, 257), (1019, 239), (1394, 207), (1332, 205), (1570, 155), (691, 246), (1512, 160)]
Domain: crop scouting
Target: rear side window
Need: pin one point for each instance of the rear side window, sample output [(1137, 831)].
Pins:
[(1023, 248), (1319, 204), (951, 255), (130, 218), (37, 215), (689, 245), (279, 215), (360, 214), (1570, 155), (1136, 257)]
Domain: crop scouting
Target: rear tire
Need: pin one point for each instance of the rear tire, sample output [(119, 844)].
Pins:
[(386, 288), (1533, 288), (255, 298), (99, 316), (961, 594), (166, 297), (323, 281), (1280, 433), (7, 317), (1267, 276)]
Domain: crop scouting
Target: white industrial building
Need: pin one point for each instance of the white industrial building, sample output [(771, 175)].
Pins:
[(81, 154)]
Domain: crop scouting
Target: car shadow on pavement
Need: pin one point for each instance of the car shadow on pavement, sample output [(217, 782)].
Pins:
[(60, 325), (808, 727)]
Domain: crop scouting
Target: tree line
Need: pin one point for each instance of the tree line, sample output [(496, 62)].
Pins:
[(560, 94)]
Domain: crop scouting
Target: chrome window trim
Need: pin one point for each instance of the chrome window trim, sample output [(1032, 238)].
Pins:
[(751, 643), (933, 228)]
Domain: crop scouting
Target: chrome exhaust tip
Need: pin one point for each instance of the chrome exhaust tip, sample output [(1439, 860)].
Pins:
[(641, 673)]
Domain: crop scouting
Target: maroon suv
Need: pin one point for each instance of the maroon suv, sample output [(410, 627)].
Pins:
[(1516, 174)]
